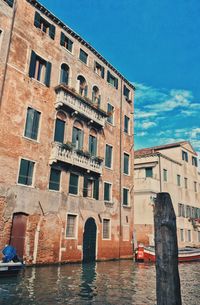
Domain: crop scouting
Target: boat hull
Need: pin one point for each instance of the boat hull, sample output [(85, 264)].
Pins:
[(11, 268)]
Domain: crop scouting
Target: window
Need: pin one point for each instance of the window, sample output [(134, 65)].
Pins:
[(186, 183), (77, 138), (110, 112), (195, 186), (126, 93), (64, 74), (188, 211), (178, 180), (54, 181), (111, 79), (9, 2), (83, 56), (184, 156), (32, 123), (194, 161), (126, 124), (107, 191), (44, 25), (149, 172), (73, 184), (26, 172), (108, 156), (126, 164), (125, 196), (82, 85), (71, 226), (92, 145), (164, 174), (99, 69), (40, 69), (182, 234), (59, 131), (181, 210), (189, 235), (106, 228), (96, 98), (91, 188), (66, 42)]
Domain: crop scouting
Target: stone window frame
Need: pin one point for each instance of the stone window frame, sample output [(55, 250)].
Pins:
[(109, 221), (75, 237), (112, 157), (39, 125), (60, 183), (111, 191), (128, 204), (34, 172), (129, 163), (61, 112), (78, 185)]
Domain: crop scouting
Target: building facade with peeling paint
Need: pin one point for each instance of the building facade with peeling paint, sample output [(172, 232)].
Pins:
[(66, 169)]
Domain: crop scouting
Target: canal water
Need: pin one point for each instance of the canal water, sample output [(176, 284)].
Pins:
[(106, 283)]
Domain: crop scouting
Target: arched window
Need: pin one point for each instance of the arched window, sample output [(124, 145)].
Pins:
[(64, 74), (77, 135), (92, 143), (82, 85), (96, 98), (60, 127)]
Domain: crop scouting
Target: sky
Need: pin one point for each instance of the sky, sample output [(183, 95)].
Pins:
[(155, 44)]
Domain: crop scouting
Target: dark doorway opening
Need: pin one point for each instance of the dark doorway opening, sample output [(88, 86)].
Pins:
[(89, 241), (18, 233)]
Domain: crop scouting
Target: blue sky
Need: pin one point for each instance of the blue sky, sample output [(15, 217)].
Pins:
[(156, 45)]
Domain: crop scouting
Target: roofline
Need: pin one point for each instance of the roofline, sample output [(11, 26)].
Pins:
[(157, 154), (59, 22)]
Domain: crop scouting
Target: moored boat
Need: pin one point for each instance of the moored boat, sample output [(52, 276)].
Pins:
[(10, 268)]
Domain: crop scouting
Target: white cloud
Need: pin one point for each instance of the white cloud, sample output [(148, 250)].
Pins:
[(146, 125), (142, 114)]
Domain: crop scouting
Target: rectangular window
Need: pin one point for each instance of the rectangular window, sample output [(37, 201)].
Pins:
[(92, 145), (32, 123), (54, 181), (186, 183), (83, 56), (91, 188), (40, 69), (107, 191), (59, 131), (73, 184), (182, 234), (108, 156), (111, 79), (181, 210), (188, 211), (164, 174), (126, 124), (126, 93), (44, 25), (189, 235), (110, 112), (71, 226), (9, 2), (66, 42), (194, 161), (149, 172), (125, 196), (184, 156), (99, 69), (178, 180), (106, 228), (195, 186), (126, 164), (26, 172), (77, 138)]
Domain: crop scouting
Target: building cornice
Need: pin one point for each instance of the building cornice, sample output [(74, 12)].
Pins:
[(156, 155)]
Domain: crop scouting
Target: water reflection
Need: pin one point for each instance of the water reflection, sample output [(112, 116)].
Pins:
[(88, 288)]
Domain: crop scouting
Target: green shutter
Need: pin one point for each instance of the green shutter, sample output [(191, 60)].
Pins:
[(106, 191), (80, 139), (108, 76), (70, 44), (48, 74), (59, 131), (32, 64), (102, 72), (54, 182), (37, 20), (73, 184), (96, 189), (52, 31), (85, 187), (74, 135), (116, 83), (62, 39)]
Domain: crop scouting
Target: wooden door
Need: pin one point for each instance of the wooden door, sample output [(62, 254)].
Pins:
[(18, 233)]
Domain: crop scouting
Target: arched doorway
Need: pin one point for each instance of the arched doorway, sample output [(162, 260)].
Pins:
[(89, 240)]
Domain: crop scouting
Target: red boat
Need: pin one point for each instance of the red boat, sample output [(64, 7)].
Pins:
[(147, 254)]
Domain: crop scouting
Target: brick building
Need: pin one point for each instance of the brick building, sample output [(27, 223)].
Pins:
[(66, 167)]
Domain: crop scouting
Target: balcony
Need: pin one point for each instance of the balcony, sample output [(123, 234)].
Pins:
[(78, 105), (70, 156)]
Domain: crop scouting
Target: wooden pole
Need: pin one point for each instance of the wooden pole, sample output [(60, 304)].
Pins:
[(167, 275)]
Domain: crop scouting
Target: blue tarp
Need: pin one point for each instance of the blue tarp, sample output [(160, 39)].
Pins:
[(9, 253)]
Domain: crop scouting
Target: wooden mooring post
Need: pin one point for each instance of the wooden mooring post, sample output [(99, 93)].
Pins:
[(168, 290)]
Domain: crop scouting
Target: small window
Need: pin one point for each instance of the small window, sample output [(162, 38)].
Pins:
[(91, 188), (106, 228), (92, 145), (96, 97), (194, 161), (40, 69), (82, 86), (71, 226), (44, 25), (178, 180), (126, 93), (188, 211), (164, 174), (54, 181), (125, 196), (107, 191), (181, 210), (26, 172), (66, 42), (32, 123), (149, 172), (126, 164), (126, 124), (77, 138), (110, 112), (189, 236), (59, 131), (99, 69), (111, 79), (195, 186), (73, 184), (186, 183), (64, 74), (108, 156), (182, 234), (83, 56), (184, 156)]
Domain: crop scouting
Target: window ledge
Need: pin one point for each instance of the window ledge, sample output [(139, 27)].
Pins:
[(74, 195), (110, 124), (108, 168), (54, 191), (126, 206), (38, 82), (29, 186), (31, 140), (83, 62), (63, 48), (108, 203)]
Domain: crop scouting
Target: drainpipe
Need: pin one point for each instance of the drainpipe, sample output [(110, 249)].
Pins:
[(120, 173), (8, 52), (160, 173)]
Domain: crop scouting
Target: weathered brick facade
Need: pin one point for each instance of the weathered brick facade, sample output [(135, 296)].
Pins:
[(45, 212)]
